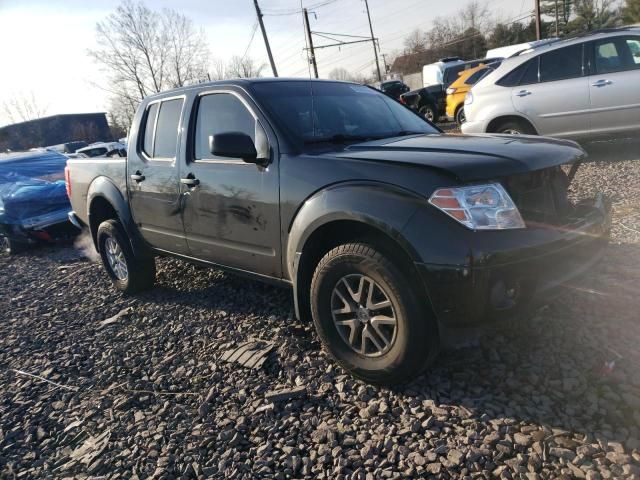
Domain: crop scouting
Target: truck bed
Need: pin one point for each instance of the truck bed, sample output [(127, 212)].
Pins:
[(84, 171)]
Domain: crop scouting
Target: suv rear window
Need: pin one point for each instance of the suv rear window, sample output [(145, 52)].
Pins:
[(561, 64)]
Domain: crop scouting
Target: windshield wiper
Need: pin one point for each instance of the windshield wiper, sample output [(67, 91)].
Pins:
[(340, 138), (404, 133)]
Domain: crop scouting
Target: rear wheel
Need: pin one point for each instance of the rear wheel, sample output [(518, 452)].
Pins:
[(428, 112), (514, 127), (369, 316), (128, 272), (10, 246)]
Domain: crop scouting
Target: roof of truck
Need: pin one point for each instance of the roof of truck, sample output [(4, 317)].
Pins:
[(245, 81)]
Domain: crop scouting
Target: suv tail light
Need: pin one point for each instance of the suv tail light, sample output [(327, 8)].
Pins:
[(67, 180)]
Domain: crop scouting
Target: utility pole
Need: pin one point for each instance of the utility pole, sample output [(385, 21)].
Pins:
[(557, 28), (312, 53), (373, 40), (384, 60), (266, 40), (538, 21)]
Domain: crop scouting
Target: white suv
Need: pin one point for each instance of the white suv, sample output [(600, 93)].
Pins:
[(571, 88)]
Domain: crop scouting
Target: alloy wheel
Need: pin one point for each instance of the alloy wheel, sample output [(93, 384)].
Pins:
[(364, 315), (115, 257)]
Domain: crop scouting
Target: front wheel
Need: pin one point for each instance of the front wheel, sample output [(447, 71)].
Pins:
[(460, 116), (370, 317), (128, 272), (514, 127)]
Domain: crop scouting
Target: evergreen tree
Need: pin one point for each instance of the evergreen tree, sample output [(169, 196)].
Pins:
[(564, 11), (631, 11), (593, 15)]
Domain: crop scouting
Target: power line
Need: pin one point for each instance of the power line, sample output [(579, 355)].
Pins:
[(276, 13), (253, 34)]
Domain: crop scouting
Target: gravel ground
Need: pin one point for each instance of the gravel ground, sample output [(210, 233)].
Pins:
[(146, 394)]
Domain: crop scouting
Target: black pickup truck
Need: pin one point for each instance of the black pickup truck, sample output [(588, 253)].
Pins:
[(385, 228)]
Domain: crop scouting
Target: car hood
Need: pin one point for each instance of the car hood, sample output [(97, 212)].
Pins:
[(470, 157)]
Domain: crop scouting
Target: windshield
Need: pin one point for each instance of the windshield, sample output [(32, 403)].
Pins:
[(312, 111)]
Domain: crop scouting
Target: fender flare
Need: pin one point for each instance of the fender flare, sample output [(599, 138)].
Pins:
[(105, 188), (383, 207)]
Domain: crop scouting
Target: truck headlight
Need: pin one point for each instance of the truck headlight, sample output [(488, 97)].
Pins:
[(479, 207), (468, 98)]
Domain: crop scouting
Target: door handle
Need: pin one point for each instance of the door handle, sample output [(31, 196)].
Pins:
[(601, 83), (190, 181), (523, 93), (137, 177)]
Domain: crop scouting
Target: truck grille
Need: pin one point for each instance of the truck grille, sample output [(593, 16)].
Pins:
[(541, 196)]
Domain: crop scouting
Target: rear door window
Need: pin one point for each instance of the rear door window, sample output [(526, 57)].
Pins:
[(149, 129), (561, 64), (525, 74), (166, 139)]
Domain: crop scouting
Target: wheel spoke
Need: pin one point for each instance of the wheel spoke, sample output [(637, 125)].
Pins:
[(355, 295), (367, 334), (347, 307), (353, 328)]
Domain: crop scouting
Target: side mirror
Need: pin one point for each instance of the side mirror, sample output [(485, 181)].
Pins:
[(234, 145)]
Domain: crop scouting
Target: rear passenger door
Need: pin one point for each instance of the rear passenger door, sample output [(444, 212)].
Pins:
[(153, 176), (554, 93), (232, 215), (615, 84)]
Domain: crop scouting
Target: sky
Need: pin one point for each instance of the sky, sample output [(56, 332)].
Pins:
[(45, 42)]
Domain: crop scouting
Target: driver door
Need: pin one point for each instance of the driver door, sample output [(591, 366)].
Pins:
[(231, 212)]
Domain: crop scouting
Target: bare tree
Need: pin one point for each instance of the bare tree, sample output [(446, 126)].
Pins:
[(145, 51), (415, 41), (188, 54), (218, 70), (243, 67), (24, 107), (340, 73)]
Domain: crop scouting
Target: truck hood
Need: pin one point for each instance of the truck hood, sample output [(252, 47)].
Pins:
[(470, 157)]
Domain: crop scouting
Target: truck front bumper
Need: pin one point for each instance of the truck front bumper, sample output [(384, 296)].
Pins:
[(512, 277)]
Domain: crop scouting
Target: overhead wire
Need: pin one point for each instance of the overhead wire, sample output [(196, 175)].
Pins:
[(253, 34)]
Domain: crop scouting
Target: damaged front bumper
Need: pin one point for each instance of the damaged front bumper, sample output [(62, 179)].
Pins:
[(510, 272)]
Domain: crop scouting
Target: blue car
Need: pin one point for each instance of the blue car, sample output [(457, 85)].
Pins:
[(34, 205)]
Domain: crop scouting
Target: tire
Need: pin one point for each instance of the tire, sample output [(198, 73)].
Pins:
[(428, 112), (129, 274), (514, 127), (409, 345), (10, 246), (460, 116)]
